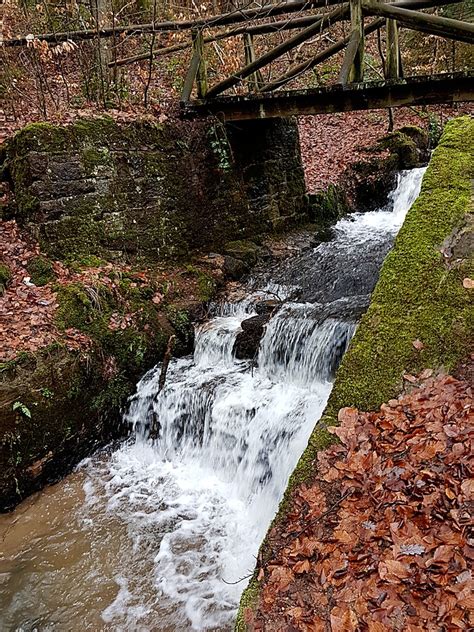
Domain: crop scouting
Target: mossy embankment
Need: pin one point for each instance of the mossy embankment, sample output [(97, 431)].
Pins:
[(421, 315), (60, 402)]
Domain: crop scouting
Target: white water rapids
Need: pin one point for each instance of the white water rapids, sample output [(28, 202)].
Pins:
[(154, 535)]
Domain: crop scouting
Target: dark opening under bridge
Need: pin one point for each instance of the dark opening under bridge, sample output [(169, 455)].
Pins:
[(257, 98)]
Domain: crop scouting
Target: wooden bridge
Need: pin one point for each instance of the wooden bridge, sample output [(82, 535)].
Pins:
[(255, 98), (351, 92)]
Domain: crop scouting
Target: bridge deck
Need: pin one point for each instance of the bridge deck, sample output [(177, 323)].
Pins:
[(445, 88)]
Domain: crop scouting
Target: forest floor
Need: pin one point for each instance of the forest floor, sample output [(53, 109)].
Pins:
[(330, 143), (379, 539), (28, 310)]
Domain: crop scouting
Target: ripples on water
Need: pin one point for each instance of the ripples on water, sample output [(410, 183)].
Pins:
[(143, 537)]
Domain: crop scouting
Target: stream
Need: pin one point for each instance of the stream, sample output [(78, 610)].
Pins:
[(155, 535)]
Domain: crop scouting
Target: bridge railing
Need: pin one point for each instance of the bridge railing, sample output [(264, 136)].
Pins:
[(400, 13), (403, 13)]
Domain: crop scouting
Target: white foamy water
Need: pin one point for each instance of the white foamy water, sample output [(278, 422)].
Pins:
[(360, 227), (162, 530)]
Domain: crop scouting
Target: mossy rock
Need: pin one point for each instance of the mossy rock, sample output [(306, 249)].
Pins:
[(5, 277), (244, 249), (47, 422), (410, 144), (41, 271), (328, 206)]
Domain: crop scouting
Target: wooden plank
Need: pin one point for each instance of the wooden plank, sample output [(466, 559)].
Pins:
[(414, 91), (433, 24), (201, 76), (255, 79), (393, 50), (349, 58), (278, 51), (299, 69), (190, 77), (356, 71)]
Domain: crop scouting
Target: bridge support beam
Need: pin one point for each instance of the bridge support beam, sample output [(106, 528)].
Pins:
[(393, 50), (357, 24), (449, 88)]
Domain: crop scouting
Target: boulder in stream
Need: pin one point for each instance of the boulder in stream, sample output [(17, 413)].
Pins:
[(248, 340)]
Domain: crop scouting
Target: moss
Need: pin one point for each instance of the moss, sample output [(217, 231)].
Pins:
[(326, 207), (181, 323), (5, 276), (77, 263), (243, 249), (41, 270), (206, 283), (405, 145), (419, 295), (40, 137), (133, 349), (95, 160), (249, 599)]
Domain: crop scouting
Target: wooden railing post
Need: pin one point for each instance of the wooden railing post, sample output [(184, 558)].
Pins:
[(198, 49), (393, 50), (357, 24), (255, 79)]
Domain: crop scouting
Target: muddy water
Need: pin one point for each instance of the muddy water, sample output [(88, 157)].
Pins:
[(154, 535)]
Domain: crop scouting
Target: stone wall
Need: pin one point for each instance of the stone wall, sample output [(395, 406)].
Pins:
[(151, 191), (266, 153)]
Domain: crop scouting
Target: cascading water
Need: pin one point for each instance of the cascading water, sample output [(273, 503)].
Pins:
[(169, 525)]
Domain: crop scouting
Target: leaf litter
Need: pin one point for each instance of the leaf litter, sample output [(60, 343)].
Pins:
[(380, 539)]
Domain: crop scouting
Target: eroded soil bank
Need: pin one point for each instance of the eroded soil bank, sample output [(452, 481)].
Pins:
[(419, 323)]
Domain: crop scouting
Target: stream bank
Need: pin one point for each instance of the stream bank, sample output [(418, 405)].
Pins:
[(420, 316)]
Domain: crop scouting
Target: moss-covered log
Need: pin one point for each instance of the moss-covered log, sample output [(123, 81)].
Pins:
[(420, 298)]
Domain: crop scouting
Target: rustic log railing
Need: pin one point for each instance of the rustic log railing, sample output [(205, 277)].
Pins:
[(392, 16), (403, 13)]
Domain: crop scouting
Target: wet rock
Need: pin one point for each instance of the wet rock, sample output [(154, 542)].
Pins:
[(326, 233), (248, 340), (234, 268), (244, 250), (268, 307)]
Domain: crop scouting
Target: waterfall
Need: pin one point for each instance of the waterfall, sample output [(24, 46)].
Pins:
[(192, 505)]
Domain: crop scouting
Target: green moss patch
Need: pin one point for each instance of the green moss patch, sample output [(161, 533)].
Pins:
[(123, 326), (244, 249), (5, 276), (41, 271), (419, 297)]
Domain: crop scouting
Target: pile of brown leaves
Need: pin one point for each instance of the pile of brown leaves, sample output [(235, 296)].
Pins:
[(26, 312), (380, 540)]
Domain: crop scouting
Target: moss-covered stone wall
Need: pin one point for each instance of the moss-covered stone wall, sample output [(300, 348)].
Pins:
[(149, 191), (421, 314)]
